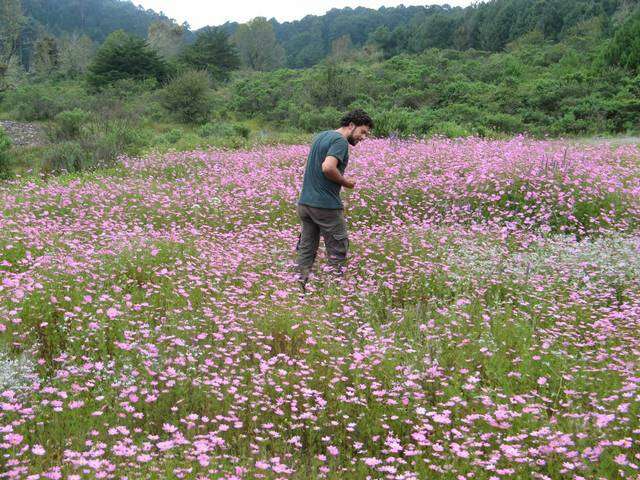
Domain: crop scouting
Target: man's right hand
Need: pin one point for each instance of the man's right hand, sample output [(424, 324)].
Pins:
[(348, 183)]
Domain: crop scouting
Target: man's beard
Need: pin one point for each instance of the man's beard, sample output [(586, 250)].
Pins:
[(352, 141)]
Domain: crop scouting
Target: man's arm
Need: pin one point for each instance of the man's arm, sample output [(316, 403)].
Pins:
[(330, 170)]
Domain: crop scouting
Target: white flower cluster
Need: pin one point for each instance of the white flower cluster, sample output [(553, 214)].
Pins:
[(16, 374), (612, 259)]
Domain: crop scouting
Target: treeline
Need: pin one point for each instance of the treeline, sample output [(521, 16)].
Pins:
[(487, 26)]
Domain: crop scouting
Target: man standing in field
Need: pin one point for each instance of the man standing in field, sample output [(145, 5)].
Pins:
[(319, 206)]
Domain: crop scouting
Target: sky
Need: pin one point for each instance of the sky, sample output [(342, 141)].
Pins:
[(199, 13)]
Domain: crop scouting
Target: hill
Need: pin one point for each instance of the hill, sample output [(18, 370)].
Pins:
[(488, 26)]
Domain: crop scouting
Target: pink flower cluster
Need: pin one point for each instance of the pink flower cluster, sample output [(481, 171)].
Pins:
[(475, 335)]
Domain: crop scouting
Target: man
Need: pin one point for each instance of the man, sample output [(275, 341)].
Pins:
[(319, 206)]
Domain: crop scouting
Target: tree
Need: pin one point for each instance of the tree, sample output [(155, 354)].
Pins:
[(76, 52), (341, 47), (624, 49), (258, 47), (213, 52), (167, 38), (187, 96), (11, 22), (46, 56), (125, 56), (437, 31)]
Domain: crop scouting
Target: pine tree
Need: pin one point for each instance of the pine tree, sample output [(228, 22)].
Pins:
[(125, 56), (213, 52)]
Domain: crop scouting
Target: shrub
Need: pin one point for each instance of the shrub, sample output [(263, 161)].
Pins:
[(396, 122), (224, 129), (187, 97), (107, 141), (30, 102), (319, 119), (130, 88), (129, 101), (5, 145), (450, 130), (42, 101), (66, 157), (504, 122), (172, 136), (68, 124)]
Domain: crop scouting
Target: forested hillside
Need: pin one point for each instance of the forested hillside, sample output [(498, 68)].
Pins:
[(486, 26)]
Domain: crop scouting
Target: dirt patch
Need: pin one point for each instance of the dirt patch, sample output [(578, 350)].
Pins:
[(24, 134)]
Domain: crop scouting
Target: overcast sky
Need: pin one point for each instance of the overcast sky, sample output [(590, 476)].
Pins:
[(201, 12)]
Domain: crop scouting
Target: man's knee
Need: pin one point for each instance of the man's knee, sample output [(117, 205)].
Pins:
[(338, 246)]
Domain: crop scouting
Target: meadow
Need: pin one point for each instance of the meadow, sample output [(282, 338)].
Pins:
[(487, 327)]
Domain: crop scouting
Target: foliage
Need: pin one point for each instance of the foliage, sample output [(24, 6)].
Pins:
[(224, 129), (11, 24), (624, 48), (124, 56), (94, 18), (76, 52), (68, 124), (43, 101), (166, 38), (213, 52), (5, 145), (547, 79), (257, 45), (106, 141), (186, 97), (46, 56), (66, 157)]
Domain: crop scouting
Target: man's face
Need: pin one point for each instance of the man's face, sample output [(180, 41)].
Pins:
[(357, 134)]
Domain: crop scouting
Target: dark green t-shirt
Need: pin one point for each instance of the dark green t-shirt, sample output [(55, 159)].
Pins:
[(317, 190)]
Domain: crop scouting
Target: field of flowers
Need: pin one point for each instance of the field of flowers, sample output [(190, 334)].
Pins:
[(488, 326)]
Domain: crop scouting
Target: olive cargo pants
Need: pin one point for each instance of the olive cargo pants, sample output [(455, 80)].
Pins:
[(331, 225)]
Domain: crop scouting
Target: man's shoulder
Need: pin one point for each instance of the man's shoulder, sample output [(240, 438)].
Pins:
[(329, 135)]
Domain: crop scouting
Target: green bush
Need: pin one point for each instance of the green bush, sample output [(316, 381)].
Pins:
[(130, 88), (5, 145), (171, 137), (224, 129), (319, 119), (66, 157), (396, 122), (283, 138), (34, 102), (504, 122), (68, 124), (187, 97), (107, 141), (450, 130), (31, 102)]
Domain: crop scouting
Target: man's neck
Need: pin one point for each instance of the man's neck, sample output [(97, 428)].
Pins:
[(344, 131)]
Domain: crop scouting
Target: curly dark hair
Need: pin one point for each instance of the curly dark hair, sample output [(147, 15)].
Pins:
[(358, 117)]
